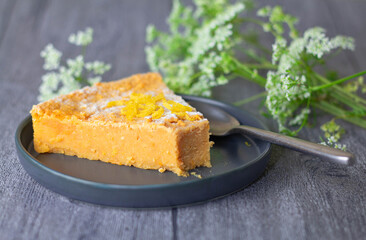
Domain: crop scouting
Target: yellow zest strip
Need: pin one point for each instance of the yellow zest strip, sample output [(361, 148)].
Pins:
[(158, 113), (115, 103), (176, 107)]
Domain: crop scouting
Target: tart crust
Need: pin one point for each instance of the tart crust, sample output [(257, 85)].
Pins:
[(82, 124)]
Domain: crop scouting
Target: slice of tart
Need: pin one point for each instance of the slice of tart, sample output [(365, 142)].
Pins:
[(135, 121)]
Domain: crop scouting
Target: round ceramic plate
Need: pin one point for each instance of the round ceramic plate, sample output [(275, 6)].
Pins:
[(236, 160)]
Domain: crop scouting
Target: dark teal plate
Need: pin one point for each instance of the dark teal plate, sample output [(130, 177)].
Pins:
[(236, 160)]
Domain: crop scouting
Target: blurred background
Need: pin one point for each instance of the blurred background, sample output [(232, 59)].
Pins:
[(298, 197), (26, 27)]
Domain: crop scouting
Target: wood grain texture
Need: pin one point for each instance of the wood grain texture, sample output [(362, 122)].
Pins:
[(298, 197)]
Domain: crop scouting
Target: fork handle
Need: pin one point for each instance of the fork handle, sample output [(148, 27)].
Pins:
[(325, 152)]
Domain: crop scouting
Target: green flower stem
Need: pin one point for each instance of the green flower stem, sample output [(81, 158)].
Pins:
[(231, 76), (340, 113), (348, 101), (196, 75), (256, 44), (252, 20), (255, 57), (262, 66), (250, 99), (247, 73), (356, 98), (305, 120), (345, 99), (339, 81), (337, 93), (83, 50), (83, 79), (260, 23), (340, 95), (249, 76), (261, 47)]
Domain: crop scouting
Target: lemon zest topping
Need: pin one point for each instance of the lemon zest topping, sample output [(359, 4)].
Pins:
[(143, 105)]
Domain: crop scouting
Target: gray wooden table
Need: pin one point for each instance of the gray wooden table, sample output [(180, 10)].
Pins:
[(298, 196)]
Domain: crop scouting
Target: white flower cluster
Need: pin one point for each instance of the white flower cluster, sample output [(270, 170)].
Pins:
[(285, 94), (72, 76), (82, 38), (204, 44), (216, 29), (343, 42), (50, 83), (295, 86), (56, 83), (278, 94), (151, 33), (332, 133), (51, 57), (288, 88), (316, 43), (152, 58), (178, 14), (208, 65), (68, 81), (277, 19)]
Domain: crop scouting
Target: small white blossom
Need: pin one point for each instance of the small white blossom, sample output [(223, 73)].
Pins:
[(184, 71), (299, 118), (332, 133), (286, 63), (340, 146), (294, 87), (296, 47), (221, 80), (152, 59), (222, 34), (317, 43), (82, 38), (50, 82), (51, 57), (201, 87), (343, 42), (97, 67), (264, 12), (76, 66), (151, 33), (68, 81), (209, 64), (331, 140), (278, 49)]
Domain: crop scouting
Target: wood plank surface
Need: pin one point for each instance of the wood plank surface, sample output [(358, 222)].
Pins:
[(298, 196)]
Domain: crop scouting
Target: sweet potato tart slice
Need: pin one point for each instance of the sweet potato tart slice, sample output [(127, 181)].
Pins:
[(135, 121)]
